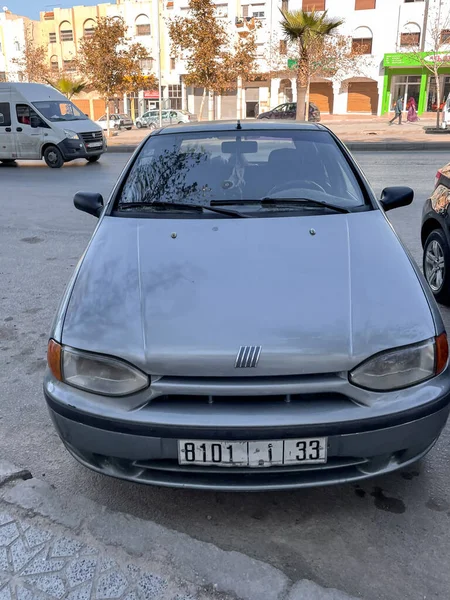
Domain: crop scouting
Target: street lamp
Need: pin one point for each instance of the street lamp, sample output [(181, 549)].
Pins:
[(158, 33)]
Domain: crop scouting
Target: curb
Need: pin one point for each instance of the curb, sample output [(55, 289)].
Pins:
[(175, 554), (352, 146)]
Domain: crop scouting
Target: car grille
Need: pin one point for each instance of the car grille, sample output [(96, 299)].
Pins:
[(201, 400), (92, 136)]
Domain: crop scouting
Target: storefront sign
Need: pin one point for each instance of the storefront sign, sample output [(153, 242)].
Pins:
[(151, 94), (414, 59)]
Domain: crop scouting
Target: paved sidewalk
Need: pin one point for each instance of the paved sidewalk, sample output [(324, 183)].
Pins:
[(371, 133), (53, 549)]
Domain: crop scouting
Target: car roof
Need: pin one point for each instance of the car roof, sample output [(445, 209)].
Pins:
[(254, 125)]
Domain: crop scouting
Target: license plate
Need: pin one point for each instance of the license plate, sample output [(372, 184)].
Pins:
[(94, 144), (253, 454)]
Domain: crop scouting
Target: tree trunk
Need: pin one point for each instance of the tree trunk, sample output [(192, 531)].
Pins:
[(301, 97), (307, 90), (202, 104), (239, 99), (438, 100), (210, 105), (108, 131)]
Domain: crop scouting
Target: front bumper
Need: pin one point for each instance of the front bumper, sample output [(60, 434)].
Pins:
[(134, 448), (72, 149)]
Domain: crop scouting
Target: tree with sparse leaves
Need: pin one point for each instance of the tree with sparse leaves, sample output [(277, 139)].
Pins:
[(109, 61), (435, 57), (33, 64), (214, 61)]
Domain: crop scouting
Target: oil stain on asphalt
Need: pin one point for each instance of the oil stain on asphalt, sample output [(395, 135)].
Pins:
[(393, 505)]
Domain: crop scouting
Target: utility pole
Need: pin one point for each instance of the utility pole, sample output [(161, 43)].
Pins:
[(425, 24), (158, 33)]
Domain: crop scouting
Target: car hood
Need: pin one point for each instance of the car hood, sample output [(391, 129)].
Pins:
[(319, 294), (82, 126)]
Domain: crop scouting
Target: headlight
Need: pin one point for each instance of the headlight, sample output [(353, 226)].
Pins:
[(93, 372), (71, 135), (402, 367)]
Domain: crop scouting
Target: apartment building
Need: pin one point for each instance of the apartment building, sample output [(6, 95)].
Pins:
[(384, 30), (13, 31)]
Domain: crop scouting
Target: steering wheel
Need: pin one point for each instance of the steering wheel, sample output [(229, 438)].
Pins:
[(297, 183)]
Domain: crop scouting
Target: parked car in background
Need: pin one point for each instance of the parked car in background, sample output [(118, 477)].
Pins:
[(116, 121), (436, 237), (289, 111), (169, 117), (233, 324)]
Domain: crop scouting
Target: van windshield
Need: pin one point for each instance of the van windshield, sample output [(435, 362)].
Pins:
[(57, 111)]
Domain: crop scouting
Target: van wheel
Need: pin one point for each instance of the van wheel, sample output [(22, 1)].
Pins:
[(93, 159), (436, 265), (53, 157)]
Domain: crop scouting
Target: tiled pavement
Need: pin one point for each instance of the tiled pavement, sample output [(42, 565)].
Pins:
[(40, 564)]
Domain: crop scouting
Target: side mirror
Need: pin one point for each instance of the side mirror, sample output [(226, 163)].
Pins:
[(395, 197), (89, 202), (35, 122)]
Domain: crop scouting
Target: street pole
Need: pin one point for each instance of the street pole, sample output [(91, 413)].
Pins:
[(158, 33)]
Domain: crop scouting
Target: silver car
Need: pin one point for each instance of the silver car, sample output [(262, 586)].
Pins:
[(297, 349), (169, 117)]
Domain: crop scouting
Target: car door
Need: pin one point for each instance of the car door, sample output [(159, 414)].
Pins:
[(7, 137), (279, 112), (291, 110), (28, 138)]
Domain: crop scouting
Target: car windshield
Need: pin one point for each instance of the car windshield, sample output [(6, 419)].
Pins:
[(57, 111), (241, 166)]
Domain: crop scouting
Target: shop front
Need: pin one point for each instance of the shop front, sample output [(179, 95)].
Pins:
[(405, 77)]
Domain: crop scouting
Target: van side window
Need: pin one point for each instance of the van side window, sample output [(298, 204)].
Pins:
[(25, 114), (5, 114)]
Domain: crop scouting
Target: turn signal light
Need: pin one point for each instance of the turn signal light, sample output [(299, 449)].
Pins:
[(54, 359), (441, 353)]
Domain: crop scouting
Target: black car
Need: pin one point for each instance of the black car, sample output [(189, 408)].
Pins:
[(289, 111), (435, 235)]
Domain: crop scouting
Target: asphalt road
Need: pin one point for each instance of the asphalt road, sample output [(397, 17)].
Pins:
[(387, 539)]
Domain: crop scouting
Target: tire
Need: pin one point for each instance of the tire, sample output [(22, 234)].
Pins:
[(139, 125), (436, 265), (116, 127), (93, 159), (129, 128), (53, 157)]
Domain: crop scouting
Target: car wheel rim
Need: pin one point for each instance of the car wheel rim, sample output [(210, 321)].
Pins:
[(435, 265), (52, 157)]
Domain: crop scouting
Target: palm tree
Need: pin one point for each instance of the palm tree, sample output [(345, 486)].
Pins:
[(307, 32), (69, 87)]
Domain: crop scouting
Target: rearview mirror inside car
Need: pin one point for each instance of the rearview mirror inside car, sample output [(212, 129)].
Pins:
[(396, 196), (241, 147), (89, 202)]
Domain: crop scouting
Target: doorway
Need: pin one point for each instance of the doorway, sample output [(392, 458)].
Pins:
[(405, 87)]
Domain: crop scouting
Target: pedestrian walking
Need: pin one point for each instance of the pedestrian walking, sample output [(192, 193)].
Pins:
[(411, 107), (398, 108)]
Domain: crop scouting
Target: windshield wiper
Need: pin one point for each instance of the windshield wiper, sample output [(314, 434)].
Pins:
[(287, 201), (181, 206)]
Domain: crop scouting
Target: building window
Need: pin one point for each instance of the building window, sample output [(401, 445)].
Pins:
[(310, 5), (49, 16), (413, 0), (284, 5), (69, 66), (245, 11), (362, 45), (221, 11), (362, 40), (172, 64), (89, 28), (283, 47), (445, 36), (409, 39), (54, 65), (146, 64), (66, 32), (143, 25), (364, 4), (259, 14), (52, 38), (175, 97)]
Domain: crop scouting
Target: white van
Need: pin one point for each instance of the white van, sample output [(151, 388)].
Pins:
[(445, 120), (37, 121)]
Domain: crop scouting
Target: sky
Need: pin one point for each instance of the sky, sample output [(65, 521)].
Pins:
[(31, 8)]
